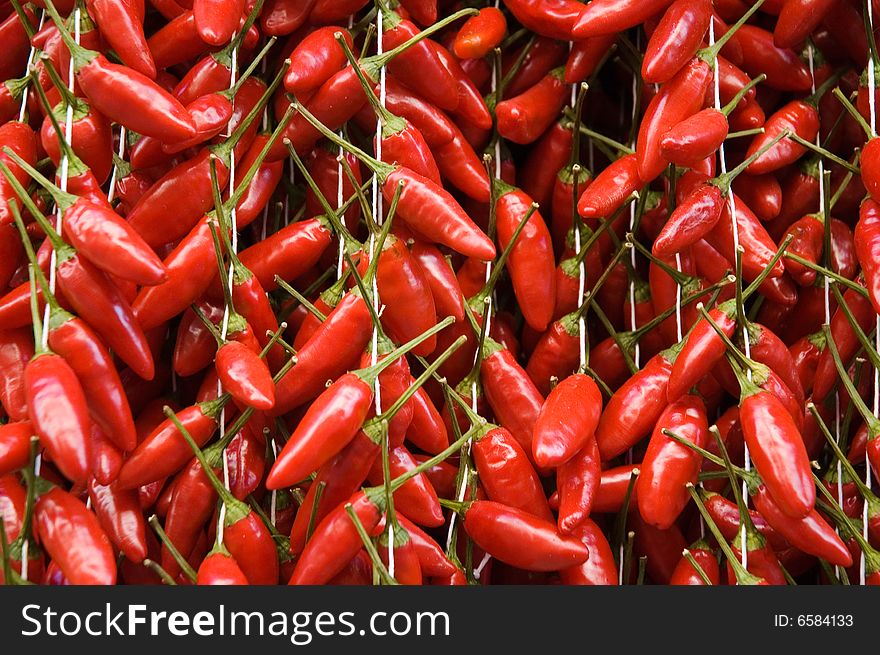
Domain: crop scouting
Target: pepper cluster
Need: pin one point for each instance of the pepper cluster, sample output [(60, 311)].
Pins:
[(327, 292)]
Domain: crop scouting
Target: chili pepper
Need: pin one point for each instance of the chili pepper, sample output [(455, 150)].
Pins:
[(315, 59), (440, 278), (686, 573), (560, 431), (434, 125), (480, 34), (667, 465), (119, 514), (784, 69), (725, 515), (514, 399), (661, 547), (416, 498), (866, 242), (611, 188), (16, 350), (121, 25), (164, 451), (72, 536), (538, 58), (681, 97), (600, 568), (217, 21), (523, 118), (777, 449), (520, 539), (220, 568), (460, 166), (551, 18), (124, 95), (635, 407), (328, 11), (22, 141), (14, 446), (797, 19), (676, 39), (507, 475), (282, 17), (845, 340), (607, 16), (585, 56)]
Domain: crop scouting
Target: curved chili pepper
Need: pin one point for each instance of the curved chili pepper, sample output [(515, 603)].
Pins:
[(164, 451), (440, 278), (686, 574), (330, 351), (661, 547), (460, 166), (521, 539), (525, 117), (120, 515), (668, 466), (695, 138), (121, 25), (72, 536), (329, 11), (16, 350), (611, 188), (600, 568), (801, 118), (434, 125), (177, 41), (810, 534), (634, 408), (567, 421), (607, 16), (784, 69), (507, 475), (315, 59), (14, 446), (676, 39), (480, 34), (192, 504), (797, 19), (777, 449)]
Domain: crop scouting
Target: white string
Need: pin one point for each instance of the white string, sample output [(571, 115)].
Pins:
[(224, 327), (63, 171), (30, 60), (111, 192)]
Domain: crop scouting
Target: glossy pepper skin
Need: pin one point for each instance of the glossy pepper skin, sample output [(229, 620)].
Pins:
[(531, 259), (72, 536), (567, 421), (668, 466), (801, 118), (552, 18), (867, 242), (778, 452), (676, 39), (521, 539), (524, 118), (507, 475), (480, 34), (634, 408)]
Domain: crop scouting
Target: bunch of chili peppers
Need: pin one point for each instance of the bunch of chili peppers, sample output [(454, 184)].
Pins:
[(439, 292)]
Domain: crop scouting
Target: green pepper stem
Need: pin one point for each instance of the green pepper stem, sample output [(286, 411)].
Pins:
[(730, 106), (188, 570)]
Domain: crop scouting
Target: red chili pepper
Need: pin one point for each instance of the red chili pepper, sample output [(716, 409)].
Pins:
[(668, 466), (460, 166), (164, 451), (416, 498), (507, 475), (676, 39), (121, 25), (14, 446), (245, 376), (798, 19), (561, 430), (867, 244), (585, 55), (784, 69), (600, 568), (552, 18), (216, 21), (282, 17), (480, 34), (72, 536), (686, 574), (22, 141), (315, 59), (695, 138), (220, 568), (329, 11), (520, 539), (16, 350), (120, 515), (611, 188), (525, 117), (607, 16), (634, 409), (777, 449)]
